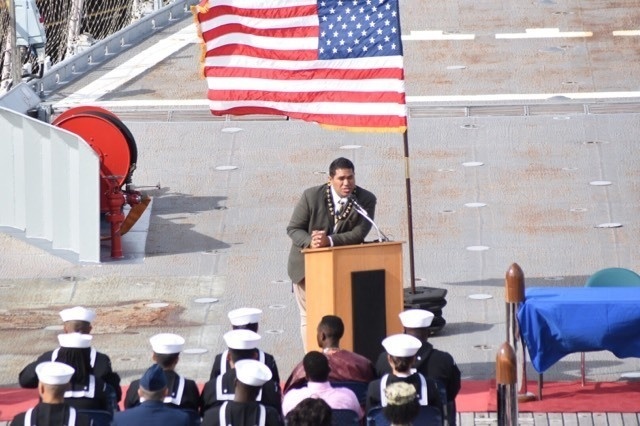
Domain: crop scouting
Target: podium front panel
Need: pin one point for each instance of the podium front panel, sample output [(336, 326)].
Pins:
[(368, 298), (329, 287)]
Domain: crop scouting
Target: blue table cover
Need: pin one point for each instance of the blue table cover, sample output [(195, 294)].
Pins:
[(558, 321)]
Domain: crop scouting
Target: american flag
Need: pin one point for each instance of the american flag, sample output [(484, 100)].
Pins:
[(337, 63)]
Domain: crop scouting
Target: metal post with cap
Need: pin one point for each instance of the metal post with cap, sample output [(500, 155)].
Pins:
[(514, 295)]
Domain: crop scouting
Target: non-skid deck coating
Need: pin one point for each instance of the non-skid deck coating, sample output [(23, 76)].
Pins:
[(220, 234)]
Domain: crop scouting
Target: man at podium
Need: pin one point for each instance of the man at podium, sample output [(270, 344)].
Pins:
[(325, 216)]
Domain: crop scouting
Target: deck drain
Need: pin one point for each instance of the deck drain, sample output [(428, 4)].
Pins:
[(551, 49), (482, 347), (195, 351), (231, 130), (480, 296), (205, 300), (477, 248), (609, 225), (157, 305)]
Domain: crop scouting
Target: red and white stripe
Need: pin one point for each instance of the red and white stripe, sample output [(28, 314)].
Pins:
[(262, 58)]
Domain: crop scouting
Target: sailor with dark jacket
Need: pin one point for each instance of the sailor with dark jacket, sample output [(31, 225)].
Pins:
[(53, 381), (242, 345), (401, 350), (76, 320), (244, 319), (182, 392), (152, 411)]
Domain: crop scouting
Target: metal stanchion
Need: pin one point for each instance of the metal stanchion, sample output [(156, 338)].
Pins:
[(514, 295), (506, 386)]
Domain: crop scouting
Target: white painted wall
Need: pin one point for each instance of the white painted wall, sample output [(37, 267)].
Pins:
[(49, 185)]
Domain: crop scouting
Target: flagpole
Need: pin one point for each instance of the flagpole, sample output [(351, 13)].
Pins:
[(407, 177)]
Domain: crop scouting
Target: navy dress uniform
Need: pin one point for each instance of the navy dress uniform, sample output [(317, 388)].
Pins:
[(181, 392), (99, 361), (152, 412), (430, 362), (244, 318), (253, 374), (222, 387), (402, 345), (86, 391), (53, 377)]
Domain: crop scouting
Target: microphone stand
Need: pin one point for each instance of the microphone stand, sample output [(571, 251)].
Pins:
[(363, 213)]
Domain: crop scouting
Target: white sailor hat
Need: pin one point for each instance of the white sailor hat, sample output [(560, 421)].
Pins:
[(416, 318), (78, 314), (167, 343), (244, 316), (401, 345), (252, 372), (241, 339), (54, 373), (75, 340)]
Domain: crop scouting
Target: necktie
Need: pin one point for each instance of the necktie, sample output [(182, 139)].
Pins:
[(341, 204)]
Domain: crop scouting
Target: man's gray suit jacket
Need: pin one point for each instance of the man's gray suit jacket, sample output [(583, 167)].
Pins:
[(312, 213)]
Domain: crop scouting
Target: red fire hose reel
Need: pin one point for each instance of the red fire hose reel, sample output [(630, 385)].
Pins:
[(116, 147)]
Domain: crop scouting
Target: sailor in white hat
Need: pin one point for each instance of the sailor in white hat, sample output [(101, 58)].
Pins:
[(242, 345), (53, 381), (182, 392), (86, 391), (76, 320), (244, 319), (430, 362), (245, 408), (401, 352)]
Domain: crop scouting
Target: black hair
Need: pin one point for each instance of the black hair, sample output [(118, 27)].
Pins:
[(402, 364), (332, 326), (236, 355), (310, 412), (166, 360), (316, 366), (80, 360), (253, 326), (402, 414), (340, 163)]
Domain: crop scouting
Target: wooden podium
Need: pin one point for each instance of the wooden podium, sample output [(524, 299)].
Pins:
[(362, 284)]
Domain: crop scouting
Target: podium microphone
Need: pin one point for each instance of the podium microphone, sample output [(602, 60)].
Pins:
[(363, 213)]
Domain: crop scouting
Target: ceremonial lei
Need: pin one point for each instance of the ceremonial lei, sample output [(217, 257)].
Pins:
[(347, 207)]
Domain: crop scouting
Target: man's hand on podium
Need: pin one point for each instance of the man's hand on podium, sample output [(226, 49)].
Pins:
[(319, 239)]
